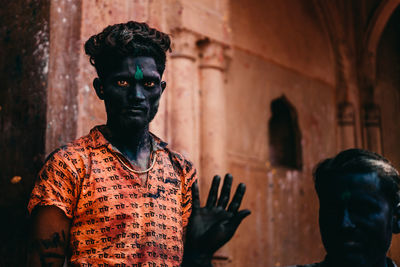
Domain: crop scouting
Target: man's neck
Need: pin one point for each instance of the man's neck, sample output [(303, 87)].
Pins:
[(134, 144)]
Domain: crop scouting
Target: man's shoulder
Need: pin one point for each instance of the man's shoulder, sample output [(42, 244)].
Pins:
[(177, 159), (78, 147)]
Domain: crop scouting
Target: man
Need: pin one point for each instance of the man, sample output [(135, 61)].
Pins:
[(359, 210), (119, 196)]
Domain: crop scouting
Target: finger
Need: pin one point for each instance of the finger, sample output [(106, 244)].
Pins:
[(225, 191), (213, 194), (235, 221), (195, 196), (237, 198)]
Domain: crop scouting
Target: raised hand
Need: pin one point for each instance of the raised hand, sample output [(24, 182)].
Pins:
[(212, 226)]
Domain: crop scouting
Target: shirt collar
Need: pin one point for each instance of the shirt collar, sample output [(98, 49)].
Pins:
[(391, 263), (98, 140)]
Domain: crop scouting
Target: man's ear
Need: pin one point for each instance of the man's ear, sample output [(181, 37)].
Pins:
[(98, 87), (163, 85), (396, 219)]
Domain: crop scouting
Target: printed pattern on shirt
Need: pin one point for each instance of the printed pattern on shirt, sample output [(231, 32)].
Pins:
[(118, 218)]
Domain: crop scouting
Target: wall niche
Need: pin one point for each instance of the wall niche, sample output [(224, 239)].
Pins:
[(284, 135)]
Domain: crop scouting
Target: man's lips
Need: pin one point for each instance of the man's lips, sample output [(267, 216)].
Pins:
[(134, 110), (352, 244)]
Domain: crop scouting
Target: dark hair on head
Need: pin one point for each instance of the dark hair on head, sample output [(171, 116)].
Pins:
[(127, 39), (360, 161)]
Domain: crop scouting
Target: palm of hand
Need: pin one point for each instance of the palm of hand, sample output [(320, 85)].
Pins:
[(210, 227)]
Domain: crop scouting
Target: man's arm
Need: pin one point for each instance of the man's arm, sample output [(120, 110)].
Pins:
[(49, 237), (212, 226)]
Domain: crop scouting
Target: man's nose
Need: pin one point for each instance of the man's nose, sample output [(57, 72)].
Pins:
[(346, 221), (137, 92)]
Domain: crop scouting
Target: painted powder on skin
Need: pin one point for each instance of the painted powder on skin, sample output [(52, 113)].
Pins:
[(138, 73)]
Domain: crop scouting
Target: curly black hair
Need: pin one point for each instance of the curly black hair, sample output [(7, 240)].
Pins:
[(127, 39), (360, 161)]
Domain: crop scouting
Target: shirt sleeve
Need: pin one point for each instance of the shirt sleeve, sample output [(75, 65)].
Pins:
[(190, 177), (56, 184)]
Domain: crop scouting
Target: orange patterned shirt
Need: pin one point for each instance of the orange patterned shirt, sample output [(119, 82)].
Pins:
[(118, 220)]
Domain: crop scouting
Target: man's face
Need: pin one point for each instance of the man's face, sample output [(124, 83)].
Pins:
[(355, 219), (131, 92)]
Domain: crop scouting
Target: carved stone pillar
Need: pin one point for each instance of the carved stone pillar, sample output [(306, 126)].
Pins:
[(346, 126), (183, 129), (213, 128), (372, 137)]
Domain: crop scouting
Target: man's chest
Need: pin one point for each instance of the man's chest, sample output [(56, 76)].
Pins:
[(116, 208)]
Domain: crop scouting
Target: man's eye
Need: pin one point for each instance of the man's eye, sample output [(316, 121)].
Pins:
[(149, 84), (122, 83)]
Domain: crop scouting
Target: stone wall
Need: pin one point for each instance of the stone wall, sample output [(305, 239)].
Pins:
[(24, 64)]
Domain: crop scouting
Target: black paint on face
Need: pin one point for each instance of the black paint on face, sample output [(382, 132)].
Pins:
[(131, 98), (355, 220)]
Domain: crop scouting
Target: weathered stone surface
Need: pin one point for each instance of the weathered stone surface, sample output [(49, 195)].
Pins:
[(24, 64)]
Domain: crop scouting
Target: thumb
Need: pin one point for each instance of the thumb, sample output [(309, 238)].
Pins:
[(235, 221)]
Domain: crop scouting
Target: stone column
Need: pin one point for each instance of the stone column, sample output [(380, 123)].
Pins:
[(213, 128), (183, 95), (372, 137), (346, 126)]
